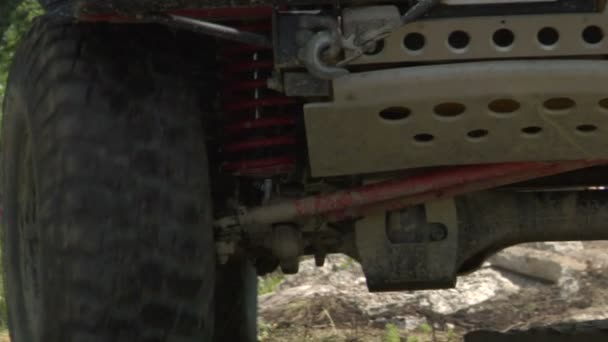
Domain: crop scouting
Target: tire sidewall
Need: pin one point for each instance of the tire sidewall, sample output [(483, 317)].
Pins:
[(15, 135)]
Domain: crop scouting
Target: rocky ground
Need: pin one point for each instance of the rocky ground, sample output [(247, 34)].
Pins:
[(538, 284)]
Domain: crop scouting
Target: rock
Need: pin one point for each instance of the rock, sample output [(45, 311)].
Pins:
[(562, 247), (568, 285), (471, 290), (585, 315), (539, 264), (341, 284), (380, 320), (408, 323)]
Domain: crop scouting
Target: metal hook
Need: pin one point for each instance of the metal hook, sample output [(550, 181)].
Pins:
[(311, 56)]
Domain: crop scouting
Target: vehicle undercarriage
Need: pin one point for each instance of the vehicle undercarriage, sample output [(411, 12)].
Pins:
[(418, 137)]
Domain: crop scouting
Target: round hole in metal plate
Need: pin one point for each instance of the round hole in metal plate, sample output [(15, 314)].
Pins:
[(531, 131), (503, 38), (424, 138), (559, 104), (603, 103), (395, 114), (459, 40), (548, 36), (449, 109), (414, 41), (593, 34), (586, 128), (478, 134), (504, 106)]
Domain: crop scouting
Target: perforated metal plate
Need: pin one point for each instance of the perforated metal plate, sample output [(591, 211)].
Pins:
[(495, 37), (461, 114)]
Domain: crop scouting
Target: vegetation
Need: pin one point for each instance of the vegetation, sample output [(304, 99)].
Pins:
[(18, 22), (6, 6), (451, 335), (269, 283), (425, 328), (12, 27), (349, 263), (391, 333)]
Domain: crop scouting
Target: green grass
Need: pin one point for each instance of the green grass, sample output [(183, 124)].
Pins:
[(451, 335), (349, 263), (391, 333), (425, 328), (269, 283)]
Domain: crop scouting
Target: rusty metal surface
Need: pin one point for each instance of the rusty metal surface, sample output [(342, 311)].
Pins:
[(524, 172), (470, 113), (476, 38), (477, 225), (398, 193), (494, 220), (425, 264)]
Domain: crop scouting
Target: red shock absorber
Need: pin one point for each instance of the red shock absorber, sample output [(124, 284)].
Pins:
[(260, 124)]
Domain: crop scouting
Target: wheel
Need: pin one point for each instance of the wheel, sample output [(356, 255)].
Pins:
[(107, 215), (236, 301), (120, 6)]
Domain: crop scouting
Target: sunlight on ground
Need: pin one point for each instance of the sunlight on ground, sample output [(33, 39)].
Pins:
[(4, 337)]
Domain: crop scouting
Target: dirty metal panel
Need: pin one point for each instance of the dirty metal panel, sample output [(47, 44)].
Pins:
[(485, 112), (430, 263), (494, 37)]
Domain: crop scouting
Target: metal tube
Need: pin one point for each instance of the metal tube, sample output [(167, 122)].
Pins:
[(217, 30), (460, 178), (418, 10), (448, 192)]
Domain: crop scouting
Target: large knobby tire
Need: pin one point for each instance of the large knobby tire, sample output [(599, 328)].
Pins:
[(236, 300), (107, 221)]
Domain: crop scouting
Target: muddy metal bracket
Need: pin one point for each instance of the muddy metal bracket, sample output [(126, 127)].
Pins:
[(320, 42), (456, 236), (408, 249), (413, 248)]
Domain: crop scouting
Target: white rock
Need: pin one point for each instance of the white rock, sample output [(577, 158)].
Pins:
[(537, 264), (561, 247), (343, 278), (568, 285), (408, 323)]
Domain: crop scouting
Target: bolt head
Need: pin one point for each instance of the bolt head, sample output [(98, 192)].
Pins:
[(438, 232)]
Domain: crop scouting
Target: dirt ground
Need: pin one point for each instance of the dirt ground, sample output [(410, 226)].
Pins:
[(360, 334), (328, 318), (331, 319)]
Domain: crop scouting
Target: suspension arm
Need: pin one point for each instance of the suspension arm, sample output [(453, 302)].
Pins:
[(402, 192)]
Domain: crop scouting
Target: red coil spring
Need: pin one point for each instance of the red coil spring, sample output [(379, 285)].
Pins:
[(260, 123)]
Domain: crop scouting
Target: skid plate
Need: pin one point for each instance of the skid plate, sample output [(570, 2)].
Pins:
[(494, 37), (467, 113)]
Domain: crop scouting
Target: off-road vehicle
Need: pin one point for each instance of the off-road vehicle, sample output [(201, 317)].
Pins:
[(157, 156)]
